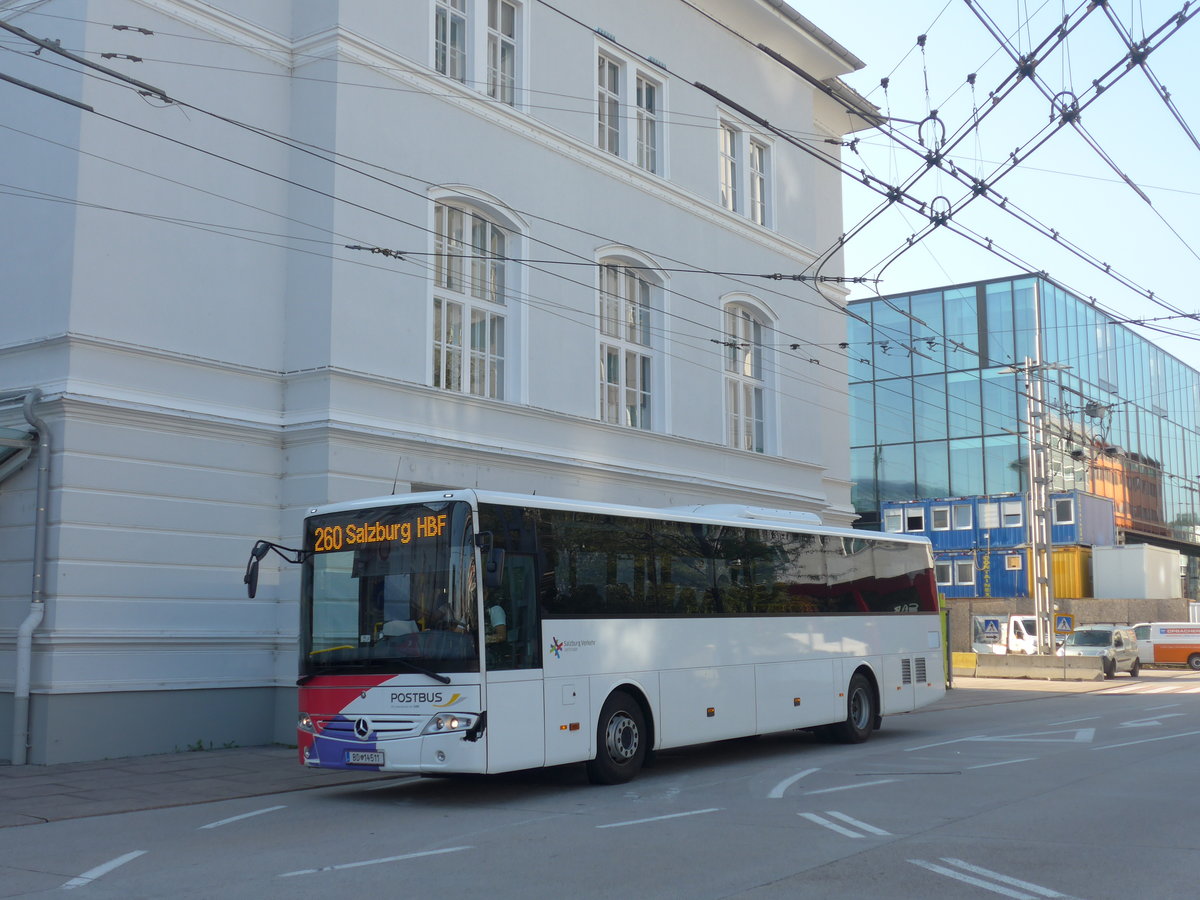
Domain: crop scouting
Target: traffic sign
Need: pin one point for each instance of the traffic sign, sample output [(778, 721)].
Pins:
[(1064, 624), (991, 631)]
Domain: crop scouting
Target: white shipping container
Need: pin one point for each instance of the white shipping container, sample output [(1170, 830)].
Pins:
[(1136, 572)]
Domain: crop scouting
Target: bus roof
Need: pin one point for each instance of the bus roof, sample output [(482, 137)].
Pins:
[(708, 514)]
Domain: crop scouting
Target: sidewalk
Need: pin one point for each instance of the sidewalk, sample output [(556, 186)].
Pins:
[(33, 794)]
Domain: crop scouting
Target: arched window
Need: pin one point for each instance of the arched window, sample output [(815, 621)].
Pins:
[(627, 298), (745, 385), (470, 314)]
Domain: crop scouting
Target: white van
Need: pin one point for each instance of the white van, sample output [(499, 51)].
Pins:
[(1004, 634), (1115, 644), (1169, 643)]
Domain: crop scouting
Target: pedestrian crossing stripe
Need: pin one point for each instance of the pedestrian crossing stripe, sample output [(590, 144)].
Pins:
[(1149, 689)]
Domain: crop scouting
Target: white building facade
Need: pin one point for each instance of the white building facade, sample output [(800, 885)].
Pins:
[(368, 248)]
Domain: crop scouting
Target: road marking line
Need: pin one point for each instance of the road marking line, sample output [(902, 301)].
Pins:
[(92, 874), (777, 791), (832, 826), (1129, 688), (373, 862), (1007, 762), (1164, 706), (1150, 721), (1148, 740), (978, 882), (870, 829), (1072, 721), (257, 812), (1159, 690), (1006, 879), (849, 787), (695, 812), (978, 737)]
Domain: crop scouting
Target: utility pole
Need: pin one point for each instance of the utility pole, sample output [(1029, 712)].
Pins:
[(1041, 551)]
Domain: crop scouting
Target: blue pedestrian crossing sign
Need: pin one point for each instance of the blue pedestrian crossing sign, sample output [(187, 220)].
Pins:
[(991, 631), (1064, 624)]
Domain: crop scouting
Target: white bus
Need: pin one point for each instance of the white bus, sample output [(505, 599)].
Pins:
[(478, 632)]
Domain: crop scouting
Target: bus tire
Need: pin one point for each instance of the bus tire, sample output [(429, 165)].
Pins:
[(1194, 662), (860, 712), (620, 741)]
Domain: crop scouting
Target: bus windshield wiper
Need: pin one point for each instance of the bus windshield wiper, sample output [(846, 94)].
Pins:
[(436, 676)]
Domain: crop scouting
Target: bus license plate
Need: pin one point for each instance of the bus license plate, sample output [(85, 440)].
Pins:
[(364, 757)]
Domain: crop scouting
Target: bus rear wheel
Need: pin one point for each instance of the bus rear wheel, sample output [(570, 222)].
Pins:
[(620, 741), (860, 712)]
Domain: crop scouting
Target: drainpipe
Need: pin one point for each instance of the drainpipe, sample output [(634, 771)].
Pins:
[(37, 606)]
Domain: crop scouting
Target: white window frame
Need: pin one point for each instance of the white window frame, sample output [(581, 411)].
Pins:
[(609, 131), (962, 522), (746, 365), (914, 514), (730, 166), (943, 573), (758, 158), (893, 521), (628, 300), (744, 171), (942, 513), (959, 577), (1069, 519), (488, 55), (630, 116), (502, 49), (471, 319), (1012, 514), (648, 107), (452, 38), (989, 515)]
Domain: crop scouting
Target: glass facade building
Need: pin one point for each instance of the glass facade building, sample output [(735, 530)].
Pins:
[(938, 406)]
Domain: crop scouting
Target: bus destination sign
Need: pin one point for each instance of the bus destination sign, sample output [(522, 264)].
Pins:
[(328, 538)]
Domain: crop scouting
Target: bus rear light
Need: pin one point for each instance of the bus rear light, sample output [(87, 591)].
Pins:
[(712, 711)]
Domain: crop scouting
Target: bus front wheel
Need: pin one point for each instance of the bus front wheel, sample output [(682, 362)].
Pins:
[(860, 712), (620, 741)]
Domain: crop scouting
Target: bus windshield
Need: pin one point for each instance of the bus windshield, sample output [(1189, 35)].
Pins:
[(390, 587)]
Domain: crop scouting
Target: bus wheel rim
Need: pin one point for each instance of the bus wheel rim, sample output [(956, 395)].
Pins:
[(621, 737), (859, 708)]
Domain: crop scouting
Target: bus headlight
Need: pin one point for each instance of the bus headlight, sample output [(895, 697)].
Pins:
[(447, 723), (305, 722)]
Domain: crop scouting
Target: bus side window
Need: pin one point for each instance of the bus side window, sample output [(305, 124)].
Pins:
[(517, 598)]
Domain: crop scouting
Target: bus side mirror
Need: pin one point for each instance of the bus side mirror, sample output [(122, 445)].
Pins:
[(493, 568), (250, 579), (493, 559)]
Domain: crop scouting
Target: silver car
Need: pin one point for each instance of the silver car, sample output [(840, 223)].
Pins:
[(1115, 644)]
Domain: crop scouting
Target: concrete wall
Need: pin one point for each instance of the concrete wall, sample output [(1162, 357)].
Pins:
[(1086, 611)]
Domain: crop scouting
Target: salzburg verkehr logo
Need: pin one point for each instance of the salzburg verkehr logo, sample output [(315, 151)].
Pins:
[(556, 647)]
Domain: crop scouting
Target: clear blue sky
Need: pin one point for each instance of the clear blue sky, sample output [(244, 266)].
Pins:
[(1064, 184)]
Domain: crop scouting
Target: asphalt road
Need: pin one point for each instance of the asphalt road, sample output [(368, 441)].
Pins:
[(1083, 794)]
